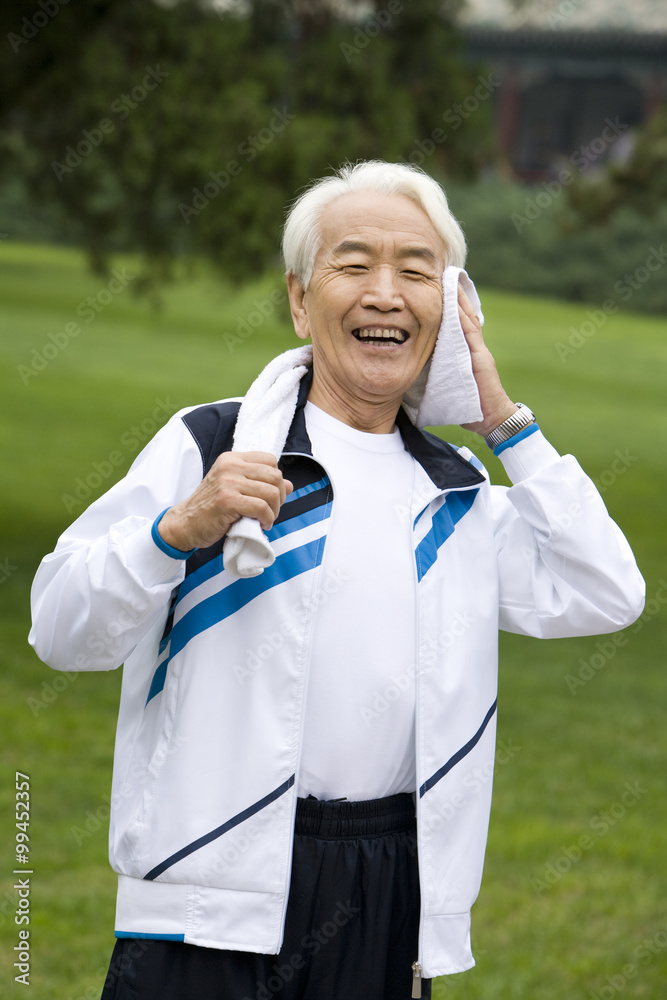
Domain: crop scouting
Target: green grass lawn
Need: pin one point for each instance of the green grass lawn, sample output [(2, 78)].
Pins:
[(573, 901)]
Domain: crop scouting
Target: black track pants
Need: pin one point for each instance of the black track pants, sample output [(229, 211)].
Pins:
[(351, 928)]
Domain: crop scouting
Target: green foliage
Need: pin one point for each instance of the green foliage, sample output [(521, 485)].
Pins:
[(167, 129), (639, 183), (517, 245)]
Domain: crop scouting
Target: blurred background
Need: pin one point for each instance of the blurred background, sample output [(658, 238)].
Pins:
[(148, 151)]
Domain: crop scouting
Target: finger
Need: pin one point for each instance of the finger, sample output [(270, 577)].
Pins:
[(274, 492), (268, 492), (238, 461), (268, 473), (264, 507), (261, 472), (270, 476), (255, 507), (470, 324), (473, 335), (466, 306), (261, 466), (264, 457)]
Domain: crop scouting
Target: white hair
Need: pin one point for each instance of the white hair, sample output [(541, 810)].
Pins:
[(301, 235)]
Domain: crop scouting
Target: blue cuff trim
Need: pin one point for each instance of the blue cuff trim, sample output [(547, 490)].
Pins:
[(149, 937), (519, 436), (168, 550)]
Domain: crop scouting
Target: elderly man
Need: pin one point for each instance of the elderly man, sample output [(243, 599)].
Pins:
[(274, 833)]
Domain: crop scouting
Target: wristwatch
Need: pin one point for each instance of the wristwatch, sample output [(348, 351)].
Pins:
[(524, 417)]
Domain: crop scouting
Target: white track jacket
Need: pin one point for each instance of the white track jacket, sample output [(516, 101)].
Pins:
[(216, 668)]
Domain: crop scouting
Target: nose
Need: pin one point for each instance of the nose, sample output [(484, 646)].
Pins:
[(382, 291)]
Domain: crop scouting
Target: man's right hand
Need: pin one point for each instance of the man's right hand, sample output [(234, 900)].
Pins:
[(239, 484)]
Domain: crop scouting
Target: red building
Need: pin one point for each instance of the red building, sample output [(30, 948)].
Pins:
[(569, 68)]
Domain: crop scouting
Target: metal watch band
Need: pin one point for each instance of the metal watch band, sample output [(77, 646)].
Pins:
[(524, 417)]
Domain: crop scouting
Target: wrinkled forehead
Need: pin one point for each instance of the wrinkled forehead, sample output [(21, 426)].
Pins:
[(371, 222)]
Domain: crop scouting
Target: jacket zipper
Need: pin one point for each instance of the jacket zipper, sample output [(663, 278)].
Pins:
[(416, 980), (417, 965), (312, 458)]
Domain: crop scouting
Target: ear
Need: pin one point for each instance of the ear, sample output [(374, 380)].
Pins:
[(296, 293)]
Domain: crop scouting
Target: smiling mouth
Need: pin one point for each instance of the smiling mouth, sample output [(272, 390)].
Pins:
[(381, 336)]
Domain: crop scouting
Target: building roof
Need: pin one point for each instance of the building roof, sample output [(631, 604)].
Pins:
[(644, 17)]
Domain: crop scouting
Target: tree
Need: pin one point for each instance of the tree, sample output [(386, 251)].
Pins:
[(639, 183), (173, 129)]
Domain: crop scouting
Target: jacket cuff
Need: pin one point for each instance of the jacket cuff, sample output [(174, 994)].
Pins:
[(168, 550), (151, 564), (526, 453)]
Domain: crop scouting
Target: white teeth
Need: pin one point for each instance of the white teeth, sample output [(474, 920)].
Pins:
[(377, 334)]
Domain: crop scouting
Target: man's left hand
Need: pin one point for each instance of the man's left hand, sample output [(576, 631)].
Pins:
[(496, 404)]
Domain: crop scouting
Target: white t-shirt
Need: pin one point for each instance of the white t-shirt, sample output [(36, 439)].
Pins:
[(359, 738)]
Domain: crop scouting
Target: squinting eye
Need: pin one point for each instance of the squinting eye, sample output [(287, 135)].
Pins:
[(416, 274)]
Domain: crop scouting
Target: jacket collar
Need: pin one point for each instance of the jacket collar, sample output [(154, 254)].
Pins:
[(440, 460), (297, 437)]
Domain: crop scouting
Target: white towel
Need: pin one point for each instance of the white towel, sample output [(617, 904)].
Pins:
[(262, 425), (444, 393)]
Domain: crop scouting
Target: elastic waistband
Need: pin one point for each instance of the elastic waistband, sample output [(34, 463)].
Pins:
[(343, 820)]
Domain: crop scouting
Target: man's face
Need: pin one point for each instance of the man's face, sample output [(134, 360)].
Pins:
[(374, 303)]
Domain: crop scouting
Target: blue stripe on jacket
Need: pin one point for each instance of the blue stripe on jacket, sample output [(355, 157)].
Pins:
[(230, 599), (460, 754), (220, 830), (444, 522)]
